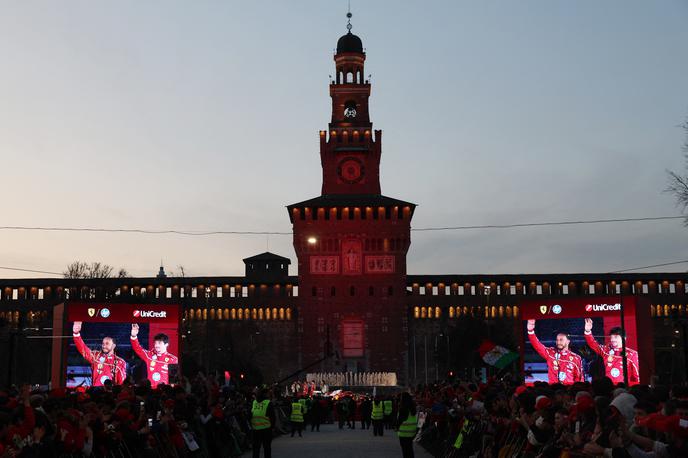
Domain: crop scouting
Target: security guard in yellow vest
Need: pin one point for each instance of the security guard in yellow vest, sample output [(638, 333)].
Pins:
[(388, 408), (407, 424), (304, 410), (296, 417), (377, 416), (262, 422)]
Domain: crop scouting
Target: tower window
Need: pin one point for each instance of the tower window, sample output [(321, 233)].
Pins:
[(371, 291), (350, 77), (352, 291), (314, 291), (333, 291)]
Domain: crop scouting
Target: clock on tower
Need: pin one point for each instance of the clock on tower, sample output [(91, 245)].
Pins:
[(350, 170)]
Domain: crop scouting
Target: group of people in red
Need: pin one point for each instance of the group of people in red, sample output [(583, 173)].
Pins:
[(107, 366), (566, 367)]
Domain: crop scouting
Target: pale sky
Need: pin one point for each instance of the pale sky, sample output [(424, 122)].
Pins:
[(204, 115)]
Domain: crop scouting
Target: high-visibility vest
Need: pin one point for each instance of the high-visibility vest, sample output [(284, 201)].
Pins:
[(408, 427), (304, 406), (387, 406), (377, 411), (259, 416), (465, 429), (296, 412)]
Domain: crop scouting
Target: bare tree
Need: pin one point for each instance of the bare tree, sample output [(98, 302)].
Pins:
[(80, 269), (182, 274), (678, 184)]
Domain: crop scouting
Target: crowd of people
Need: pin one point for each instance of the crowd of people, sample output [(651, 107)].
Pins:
[(204, 417), (197, 417), (503, 419)]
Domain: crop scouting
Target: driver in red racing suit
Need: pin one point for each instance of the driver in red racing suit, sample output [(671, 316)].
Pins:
[(612, 354), (157, 360), (563, 366), (105, 365)]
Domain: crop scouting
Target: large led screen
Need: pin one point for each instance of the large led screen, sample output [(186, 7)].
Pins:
[(113, 342), (574, 340)]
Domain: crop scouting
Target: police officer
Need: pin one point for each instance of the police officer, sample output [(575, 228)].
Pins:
[(296, 417), (407, 424), (377, 416), (262, 423)]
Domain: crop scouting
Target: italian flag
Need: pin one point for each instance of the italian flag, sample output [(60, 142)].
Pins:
[(495, 355)]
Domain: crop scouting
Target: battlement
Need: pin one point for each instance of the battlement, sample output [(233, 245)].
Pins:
[(350, 136)]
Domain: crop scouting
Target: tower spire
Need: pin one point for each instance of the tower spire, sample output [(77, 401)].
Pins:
[(348, 15)]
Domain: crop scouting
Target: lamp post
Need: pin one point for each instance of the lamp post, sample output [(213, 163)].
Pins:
[(623, 337)]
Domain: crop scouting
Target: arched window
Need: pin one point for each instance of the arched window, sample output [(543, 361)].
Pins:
[(350, 77)]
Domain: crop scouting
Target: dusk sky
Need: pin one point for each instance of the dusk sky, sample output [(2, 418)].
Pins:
[(204, 115)]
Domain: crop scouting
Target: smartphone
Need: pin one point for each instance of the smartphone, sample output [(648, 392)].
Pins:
[(157, 416), (577, 427), (150, 422), (683, 423), (142, 403)]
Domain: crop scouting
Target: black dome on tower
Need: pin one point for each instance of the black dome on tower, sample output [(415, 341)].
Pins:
[(349, 43)]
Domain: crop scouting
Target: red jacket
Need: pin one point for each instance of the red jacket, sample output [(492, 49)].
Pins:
[(613, 361), (563, 366), (17, 435), (157, 365), (103, 366)]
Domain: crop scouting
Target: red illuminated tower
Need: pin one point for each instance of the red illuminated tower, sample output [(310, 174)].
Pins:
[(351, 241)]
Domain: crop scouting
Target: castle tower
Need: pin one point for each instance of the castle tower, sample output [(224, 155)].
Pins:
[(351, 241)]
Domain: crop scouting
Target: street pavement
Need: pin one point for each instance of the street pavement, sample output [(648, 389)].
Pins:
[(331, 442)]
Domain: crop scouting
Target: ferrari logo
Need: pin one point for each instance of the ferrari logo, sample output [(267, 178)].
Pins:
[(543, 309), (91, 312)]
